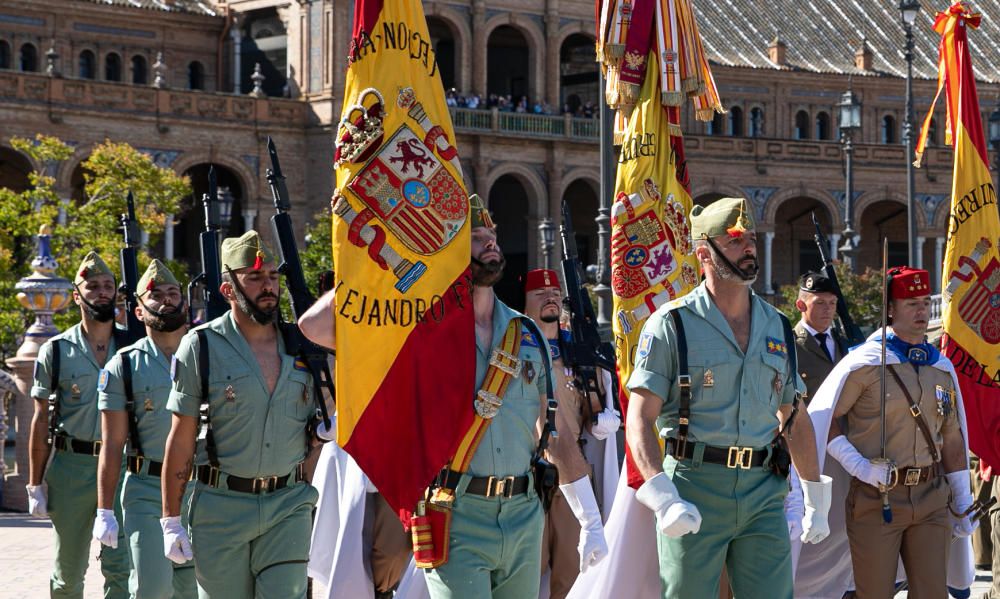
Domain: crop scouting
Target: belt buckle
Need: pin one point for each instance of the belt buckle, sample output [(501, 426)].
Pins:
[(487, 404), (739, 457), (96, 449), (506, 362), (500, 487), (213, 476), (137, 460), (264, 484), (912, 477)]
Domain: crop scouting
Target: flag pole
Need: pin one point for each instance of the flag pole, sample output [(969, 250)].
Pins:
[(603, 220)]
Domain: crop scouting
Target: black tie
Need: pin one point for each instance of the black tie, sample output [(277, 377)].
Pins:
[(821, 338)]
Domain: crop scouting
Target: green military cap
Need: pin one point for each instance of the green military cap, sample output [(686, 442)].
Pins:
[(92, 266), (726, 216), (480, 215), (156, 274), (246, 251)]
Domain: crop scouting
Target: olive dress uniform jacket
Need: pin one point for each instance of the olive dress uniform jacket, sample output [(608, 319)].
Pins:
[(814, 365)]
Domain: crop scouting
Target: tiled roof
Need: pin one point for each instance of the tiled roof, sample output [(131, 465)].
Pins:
[(198, 7), (822, 35)]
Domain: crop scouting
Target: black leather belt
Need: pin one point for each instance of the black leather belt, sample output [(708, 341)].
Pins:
[(730, 457), (134, 464), (487, 486), (65, 443), (261, 484)]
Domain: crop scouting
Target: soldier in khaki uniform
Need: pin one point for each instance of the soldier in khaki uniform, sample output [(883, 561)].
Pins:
[(573, 539), (134, 409), (818, 345), (66, 491), (251, 511), (927, 467)]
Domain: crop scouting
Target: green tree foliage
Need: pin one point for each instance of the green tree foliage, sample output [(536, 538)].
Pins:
[(317, 254), (111, 170), (863, 294)]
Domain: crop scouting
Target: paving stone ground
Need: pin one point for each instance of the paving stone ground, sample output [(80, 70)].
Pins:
[(26, 562)]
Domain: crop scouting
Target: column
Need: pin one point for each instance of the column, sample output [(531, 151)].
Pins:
[(918, 251), (168, 237), (249, 216), (768, 240), (834, 244), (479, 48), (938, 260), (237, 38), (551, 63)]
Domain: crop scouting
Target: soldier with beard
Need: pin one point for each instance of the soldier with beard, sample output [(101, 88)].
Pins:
[(250, 518), (714, 376), (66, 375), (133, 392)]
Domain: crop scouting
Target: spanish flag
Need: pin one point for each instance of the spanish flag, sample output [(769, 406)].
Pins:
[(971, 273), (405, 369)]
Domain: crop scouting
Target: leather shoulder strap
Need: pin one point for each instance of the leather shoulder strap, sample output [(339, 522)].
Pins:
[(549, 428), (133, 420), (925, 430), (684, 382), (203, 366)]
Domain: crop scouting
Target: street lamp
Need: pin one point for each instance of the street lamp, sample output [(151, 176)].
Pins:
[(546, 234), (908, 10), (850, 123)]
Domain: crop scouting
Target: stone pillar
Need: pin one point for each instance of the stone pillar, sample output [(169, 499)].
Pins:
[(552, 55), (168, 237), (479, 50), (938, 259), (834, 244), (236, 35), (44, 293), (768, 241), (919, 251), (249, 216)]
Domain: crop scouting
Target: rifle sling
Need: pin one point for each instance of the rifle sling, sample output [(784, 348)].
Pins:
[(53, 396), (133, 420), (210, 449), (925, 430), (550, 412), (684, 382)]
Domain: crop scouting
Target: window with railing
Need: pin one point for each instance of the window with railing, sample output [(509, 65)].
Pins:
[(29, 58), (888, 129), (736, 121), (823, 126), (196, 75), (140, 74), (756, 122), (86, 66), (4, 55), (801, 130), (112, 67)]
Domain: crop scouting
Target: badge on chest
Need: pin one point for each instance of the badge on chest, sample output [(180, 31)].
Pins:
[(528, 372), (230, 394), (945, 400)]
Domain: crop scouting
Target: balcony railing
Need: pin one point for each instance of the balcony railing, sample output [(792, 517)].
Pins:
[(541, 126)]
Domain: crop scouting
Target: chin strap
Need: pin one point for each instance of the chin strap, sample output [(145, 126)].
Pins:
[(732, 267)]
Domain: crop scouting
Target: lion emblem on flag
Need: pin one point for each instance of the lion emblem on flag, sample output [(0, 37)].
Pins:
[(979, 307)]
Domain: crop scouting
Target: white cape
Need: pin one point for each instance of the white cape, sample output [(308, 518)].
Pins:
[(337, 556), (824, 570)]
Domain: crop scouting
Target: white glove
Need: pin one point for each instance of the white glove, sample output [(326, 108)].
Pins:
[(858, 465), (581, 500), (608, 423), (327, 434), (794, 508), (961, 499), (38, 500), (674, 516), (176, 544), (817, 497), (106, 528)]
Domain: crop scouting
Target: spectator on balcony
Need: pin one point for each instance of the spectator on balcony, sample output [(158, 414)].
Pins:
[(522, 105), (450, 98), (474, 101), (492, 101)]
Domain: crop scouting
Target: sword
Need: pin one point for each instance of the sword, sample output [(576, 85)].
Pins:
[(884, 486)]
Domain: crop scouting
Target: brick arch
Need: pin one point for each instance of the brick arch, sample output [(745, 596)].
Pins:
[(728, 191), (529, 179), (248, 180), (33, 165), (462, 34), (536, 50), (580, 27), (872, 197), (64, 173), (940, 220), (587, 174), (783, 195)]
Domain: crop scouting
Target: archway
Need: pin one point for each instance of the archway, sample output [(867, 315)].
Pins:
[(446, 51), (264, 42), (190, 217), (582, 199), (578, 74), (794, 250), (881, 219), (509, 205), (508, 61), (707, 198), (14, 170)]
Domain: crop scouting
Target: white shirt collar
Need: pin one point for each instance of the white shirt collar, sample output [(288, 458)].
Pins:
[(811, 330)]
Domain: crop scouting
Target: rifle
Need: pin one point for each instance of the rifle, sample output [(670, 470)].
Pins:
[(135, 330), (301, 299), (585, 352), (848, 329), (210, 276)]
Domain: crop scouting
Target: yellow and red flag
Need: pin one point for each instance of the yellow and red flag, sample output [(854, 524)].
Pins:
[(971, 274), (401, 253)]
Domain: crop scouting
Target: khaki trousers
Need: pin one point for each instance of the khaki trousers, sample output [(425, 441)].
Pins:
[(390, 545), (920, 533), (560, 555)]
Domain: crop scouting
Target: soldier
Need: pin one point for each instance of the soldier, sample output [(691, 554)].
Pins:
[(66, 377), (924, 446), (133, 401), (574, 531), (251, 509), (714, 374), (818, 345)]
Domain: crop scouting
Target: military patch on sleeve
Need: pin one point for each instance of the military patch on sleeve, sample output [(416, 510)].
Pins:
[(645, 343), (102, 380), (777, 347), (528, 339), (173, 367), (301, 365)]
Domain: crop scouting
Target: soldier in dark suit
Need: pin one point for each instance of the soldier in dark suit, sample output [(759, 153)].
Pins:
[(819, 346)]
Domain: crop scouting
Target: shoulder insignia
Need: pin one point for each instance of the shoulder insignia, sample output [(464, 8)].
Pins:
[(301, 365), (645, 342), (528, 339), (102, 380), (776, 346)]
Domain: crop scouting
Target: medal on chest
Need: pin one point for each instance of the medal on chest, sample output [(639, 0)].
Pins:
[(75, 389), (778, 383), (528, 372), (147, 405), (709, 379), (230, 393), (945, 400)]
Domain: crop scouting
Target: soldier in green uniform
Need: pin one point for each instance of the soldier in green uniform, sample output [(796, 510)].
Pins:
[(250, 518), (716, 499), (66, 375), (134, 407)]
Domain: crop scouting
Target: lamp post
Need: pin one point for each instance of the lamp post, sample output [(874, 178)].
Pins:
[(908, 10), (850, 123), (546, 234)]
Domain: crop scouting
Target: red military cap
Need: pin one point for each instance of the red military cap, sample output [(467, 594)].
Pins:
[(906, 282), (540, 277)]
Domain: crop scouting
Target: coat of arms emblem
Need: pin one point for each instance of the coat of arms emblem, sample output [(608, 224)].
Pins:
[(979, 307)]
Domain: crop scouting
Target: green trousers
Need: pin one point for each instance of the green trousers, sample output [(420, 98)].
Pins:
[(72, 503), (251, 546), (743, 528), (153, 576), (495, 548)]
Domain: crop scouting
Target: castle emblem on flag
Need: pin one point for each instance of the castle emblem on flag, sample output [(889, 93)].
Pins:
[(979, 307)]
